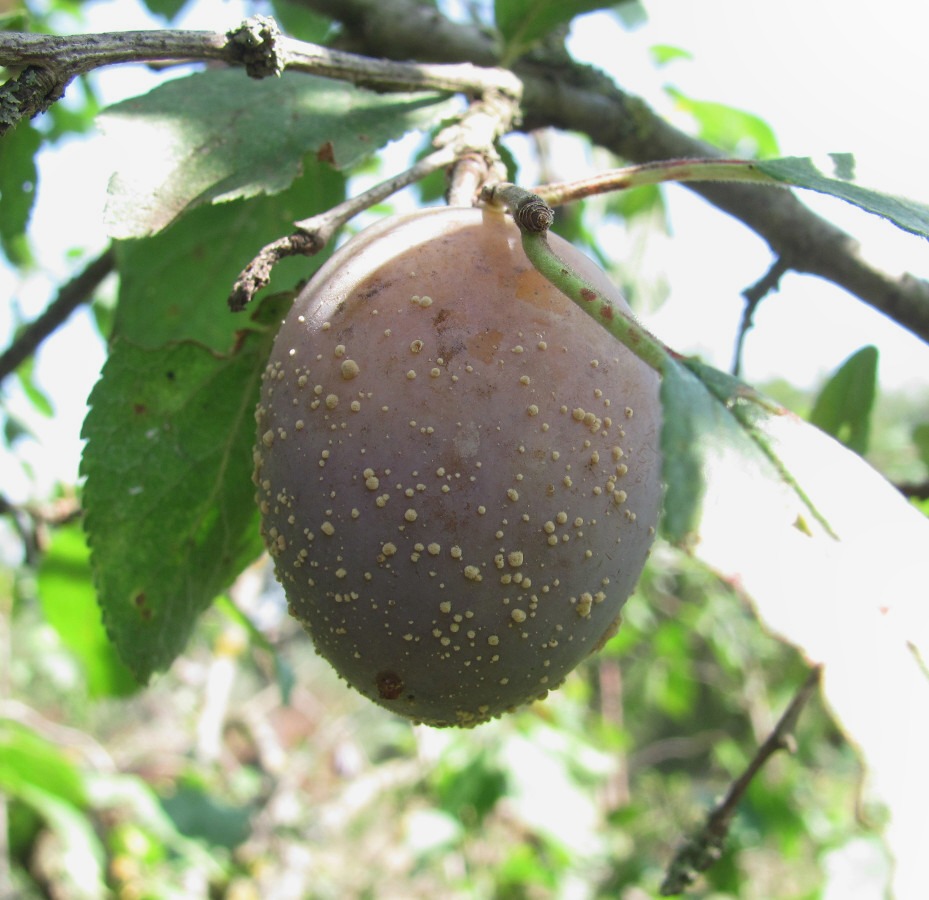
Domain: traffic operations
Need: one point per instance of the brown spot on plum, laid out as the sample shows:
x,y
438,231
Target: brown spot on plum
x,y
389,685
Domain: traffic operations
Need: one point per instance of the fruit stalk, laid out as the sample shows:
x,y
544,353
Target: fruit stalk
x,y
534,217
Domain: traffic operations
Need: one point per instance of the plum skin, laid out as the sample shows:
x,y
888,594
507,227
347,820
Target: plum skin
x,y
458,470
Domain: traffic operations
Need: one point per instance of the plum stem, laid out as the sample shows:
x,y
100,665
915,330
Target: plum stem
x,y
534,216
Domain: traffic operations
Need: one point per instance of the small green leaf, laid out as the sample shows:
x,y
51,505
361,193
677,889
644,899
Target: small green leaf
x,y
69,602
166,8
662,54
735,130
25,373
644,200
909,215
194,155
170,512
843,407
174,286
523,23
18,180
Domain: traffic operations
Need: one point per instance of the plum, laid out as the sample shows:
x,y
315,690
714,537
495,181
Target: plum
x,y
458,470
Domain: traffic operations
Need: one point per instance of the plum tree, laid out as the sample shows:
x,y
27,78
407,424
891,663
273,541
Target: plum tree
x,y
458,470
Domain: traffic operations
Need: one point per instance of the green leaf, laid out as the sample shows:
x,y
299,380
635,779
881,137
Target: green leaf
x,y
708,413
166,8
909,215
689,414
27,759
40,775
69,602
300,22
662,54
18,179
174,286
843,407
735,130
524,23
170,512
198,815
855,604
645,200
25,373
194,155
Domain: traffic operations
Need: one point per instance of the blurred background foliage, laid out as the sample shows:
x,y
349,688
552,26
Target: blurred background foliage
x,y
249,771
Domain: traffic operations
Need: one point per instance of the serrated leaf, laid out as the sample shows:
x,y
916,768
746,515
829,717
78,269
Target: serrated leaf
x,y
856,604
524,23
219,135
170,514
843,407
728,127
838,569
174,286
910,215
69,602
18,180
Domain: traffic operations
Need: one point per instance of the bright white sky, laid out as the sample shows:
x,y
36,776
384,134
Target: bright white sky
x,y
826,75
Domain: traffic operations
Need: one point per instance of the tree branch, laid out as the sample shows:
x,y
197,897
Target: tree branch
x,y
314,233
567,95
700,852
77,291
50,63
466,148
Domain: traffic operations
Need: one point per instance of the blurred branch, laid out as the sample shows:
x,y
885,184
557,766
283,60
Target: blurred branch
x,y
753,295
77,291
700,852
568,95
915,490
49,63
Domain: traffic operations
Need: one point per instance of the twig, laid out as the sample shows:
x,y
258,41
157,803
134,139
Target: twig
x,y
50,63
916,490
655,172
77,291
314,233
753,295
706,847
470,139
575,97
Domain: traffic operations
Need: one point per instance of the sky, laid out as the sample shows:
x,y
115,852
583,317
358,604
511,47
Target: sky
x,y
827,76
